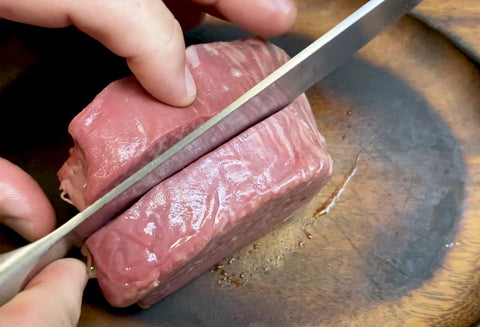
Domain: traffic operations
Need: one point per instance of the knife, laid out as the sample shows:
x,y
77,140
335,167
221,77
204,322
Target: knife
x,y
269,96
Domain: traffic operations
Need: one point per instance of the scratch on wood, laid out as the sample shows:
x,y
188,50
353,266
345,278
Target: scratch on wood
x,y
328,205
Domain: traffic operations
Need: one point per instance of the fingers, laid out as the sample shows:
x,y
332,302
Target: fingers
x,y
143,31
261,17
147,34
23,205
53,298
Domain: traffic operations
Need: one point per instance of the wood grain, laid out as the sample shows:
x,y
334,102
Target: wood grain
x,y
459,20
451,296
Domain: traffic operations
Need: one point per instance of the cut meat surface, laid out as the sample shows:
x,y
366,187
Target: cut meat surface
x,y
214,206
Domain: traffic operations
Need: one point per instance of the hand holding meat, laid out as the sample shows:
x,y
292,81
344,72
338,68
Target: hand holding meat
x,y
148,33
54,296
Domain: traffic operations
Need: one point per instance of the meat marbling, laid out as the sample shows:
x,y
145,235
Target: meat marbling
x,y
217,204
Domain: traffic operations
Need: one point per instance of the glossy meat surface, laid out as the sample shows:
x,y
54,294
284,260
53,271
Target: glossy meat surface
x,y
216,205
219,203
124,127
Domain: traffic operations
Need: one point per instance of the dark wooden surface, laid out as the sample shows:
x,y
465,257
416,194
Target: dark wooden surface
x,y
401,246
459,20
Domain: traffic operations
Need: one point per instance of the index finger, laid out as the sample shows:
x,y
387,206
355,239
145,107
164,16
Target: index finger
x,y
147,34
143,31
261,17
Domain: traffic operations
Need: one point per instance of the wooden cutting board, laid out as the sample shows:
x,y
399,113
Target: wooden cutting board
x,y
401,244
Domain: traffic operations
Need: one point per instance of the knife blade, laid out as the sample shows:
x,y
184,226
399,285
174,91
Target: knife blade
x,y
266,98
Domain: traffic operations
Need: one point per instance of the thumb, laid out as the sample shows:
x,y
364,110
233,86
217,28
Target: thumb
x,y
23,205
53,298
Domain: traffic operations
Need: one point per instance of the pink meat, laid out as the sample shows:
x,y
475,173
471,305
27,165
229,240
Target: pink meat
x,y
124,127
216,205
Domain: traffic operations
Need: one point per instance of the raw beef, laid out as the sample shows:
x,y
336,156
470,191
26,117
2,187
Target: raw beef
x,y
214,206
221,202
124,127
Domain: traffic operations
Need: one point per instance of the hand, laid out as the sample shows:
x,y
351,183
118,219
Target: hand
x,y
54,296
148,33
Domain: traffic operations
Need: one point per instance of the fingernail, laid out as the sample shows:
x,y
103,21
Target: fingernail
x,y
285,6
190,83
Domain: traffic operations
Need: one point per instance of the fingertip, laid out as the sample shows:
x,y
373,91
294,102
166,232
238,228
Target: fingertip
x,y
281,18
167,84
24,207
160,67
190,86
262,17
